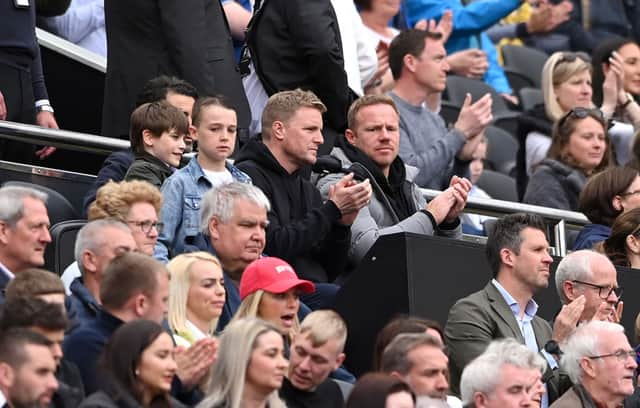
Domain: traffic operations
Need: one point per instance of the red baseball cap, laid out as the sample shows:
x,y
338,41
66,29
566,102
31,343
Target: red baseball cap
x,y
272,275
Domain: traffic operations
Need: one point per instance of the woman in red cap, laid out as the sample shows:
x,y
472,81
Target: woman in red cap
x,y
270,290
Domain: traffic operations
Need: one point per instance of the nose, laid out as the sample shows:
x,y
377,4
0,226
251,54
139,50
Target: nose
x,y
172,366
318,138
304,364
292,301
46,236
56,350
443,382
153,232
445,65
283,363
53,383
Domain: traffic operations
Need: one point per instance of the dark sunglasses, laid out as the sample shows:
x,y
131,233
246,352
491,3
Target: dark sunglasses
x,y
572,56
581,113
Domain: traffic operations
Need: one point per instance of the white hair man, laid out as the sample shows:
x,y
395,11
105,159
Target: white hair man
x,y
600,363
591,275
506,375
24,231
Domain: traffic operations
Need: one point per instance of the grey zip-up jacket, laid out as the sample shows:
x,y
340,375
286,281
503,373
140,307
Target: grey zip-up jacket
x,y
379,218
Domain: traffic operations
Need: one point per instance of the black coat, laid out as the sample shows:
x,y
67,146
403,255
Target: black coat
x,y
146,38
302,229
296,44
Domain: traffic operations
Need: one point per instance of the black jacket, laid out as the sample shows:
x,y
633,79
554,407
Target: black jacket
x,y
533,120
296,44
189,39
555,185
70,388
302,230
149,168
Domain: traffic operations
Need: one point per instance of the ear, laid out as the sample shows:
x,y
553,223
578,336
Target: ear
x,y
507,256
193,134
479,399
588,367
4,233
569,290
605,68
213,228
409,62
278,130
339,361
616,203
140,304
148,138
88,261
350,135
397,375
632,244
6,376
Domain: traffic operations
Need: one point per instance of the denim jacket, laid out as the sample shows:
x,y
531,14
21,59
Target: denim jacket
x,y
180,211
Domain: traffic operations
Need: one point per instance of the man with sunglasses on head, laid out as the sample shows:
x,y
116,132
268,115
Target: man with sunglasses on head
x,y
592,276
600,363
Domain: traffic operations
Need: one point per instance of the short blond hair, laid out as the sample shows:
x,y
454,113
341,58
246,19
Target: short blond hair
x,y
114,200
363,102
179,285
323,325
283,105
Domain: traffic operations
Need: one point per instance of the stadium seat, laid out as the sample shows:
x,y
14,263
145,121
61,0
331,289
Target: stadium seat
x,y
458,87
449,112
530,97
498,185
58,207
60,252
526,61
501,151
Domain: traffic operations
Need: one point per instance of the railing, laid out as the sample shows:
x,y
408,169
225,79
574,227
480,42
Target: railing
x,y
81,142
71,50
558,220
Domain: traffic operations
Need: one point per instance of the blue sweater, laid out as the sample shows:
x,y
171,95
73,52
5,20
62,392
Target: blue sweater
x,y
590,235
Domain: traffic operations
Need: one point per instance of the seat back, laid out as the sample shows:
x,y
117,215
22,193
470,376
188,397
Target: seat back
x,y
525,60
530,97
458,87
60,252
498,185
58,207
501,150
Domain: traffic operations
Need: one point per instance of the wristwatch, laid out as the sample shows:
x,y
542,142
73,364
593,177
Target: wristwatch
x,y
44,108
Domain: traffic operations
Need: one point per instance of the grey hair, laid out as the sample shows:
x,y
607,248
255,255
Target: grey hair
x,y
575,266
585,341
12,202
220,201
90,237
395,355
482,374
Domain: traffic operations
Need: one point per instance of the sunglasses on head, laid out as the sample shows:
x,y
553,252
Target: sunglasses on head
x,y
581,113
572,56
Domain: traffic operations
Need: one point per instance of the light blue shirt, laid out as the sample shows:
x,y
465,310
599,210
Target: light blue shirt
x,y
526,328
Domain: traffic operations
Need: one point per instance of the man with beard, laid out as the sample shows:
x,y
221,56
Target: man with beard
x,y
27,370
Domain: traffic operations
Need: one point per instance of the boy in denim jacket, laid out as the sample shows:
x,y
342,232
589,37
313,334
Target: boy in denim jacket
x,y
215,126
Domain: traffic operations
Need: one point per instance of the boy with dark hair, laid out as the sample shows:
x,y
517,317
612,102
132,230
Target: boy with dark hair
x,y
157,135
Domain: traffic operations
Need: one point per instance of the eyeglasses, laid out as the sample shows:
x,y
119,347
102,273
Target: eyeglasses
x,y
581,113
621,355
603,291
146,226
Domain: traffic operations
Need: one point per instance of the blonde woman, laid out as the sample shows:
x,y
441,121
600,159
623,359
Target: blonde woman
x,y
196,296
250,368
270,290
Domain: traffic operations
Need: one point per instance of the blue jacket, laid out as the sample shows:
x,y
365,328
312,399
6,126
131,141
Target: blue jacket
x,y
182,193
84,346
82,305
590,235
469,24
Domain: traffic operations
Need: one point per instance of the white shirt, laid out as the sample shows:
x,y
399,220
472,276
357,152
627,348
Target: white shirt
x,y
360,59
70,273
218,178
2,399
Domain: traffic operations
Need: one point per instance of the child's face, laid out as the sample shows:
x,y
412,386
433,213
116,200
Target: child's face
x,y
168,147
477,162
185,104
217,133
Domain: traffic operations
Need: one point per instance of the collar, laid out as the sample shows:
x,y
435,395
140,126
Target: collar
x,y
3,400
195,170
108,321
148,157
530,309
4,270
82,293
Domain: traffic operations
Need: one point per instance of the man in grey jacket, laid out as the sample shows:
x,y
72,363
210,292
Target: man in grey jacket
x,y
370,150
417,59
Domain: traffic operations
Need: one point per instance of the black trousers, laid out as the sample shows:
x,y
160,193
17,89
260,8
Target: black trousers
x,y
16,87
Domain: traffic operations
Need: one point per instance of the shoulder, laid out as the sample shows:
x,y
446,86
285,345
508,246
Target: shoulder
x,y
98,399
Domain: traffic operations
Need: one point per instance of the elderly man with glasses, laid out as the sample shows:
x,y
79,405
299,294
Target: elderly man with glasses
x,y
592,276
600,363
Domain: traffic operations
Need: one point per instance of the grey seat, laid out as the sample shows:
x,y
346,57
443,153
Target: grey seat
x,y
58,207
526,61
501,151
498,186
530,97
60,252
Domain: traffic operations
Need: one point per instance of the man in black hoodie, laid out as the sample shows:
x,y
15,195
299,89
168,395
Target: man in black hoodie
x,y
311,235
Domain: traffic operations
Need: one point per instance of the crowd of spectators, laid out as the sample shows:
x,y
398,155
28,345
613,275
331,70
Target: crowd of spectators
x,y
273,143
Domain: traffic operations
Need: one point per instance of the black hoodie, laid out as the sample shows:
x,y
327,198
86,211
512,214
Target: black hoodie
x,y
302,229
